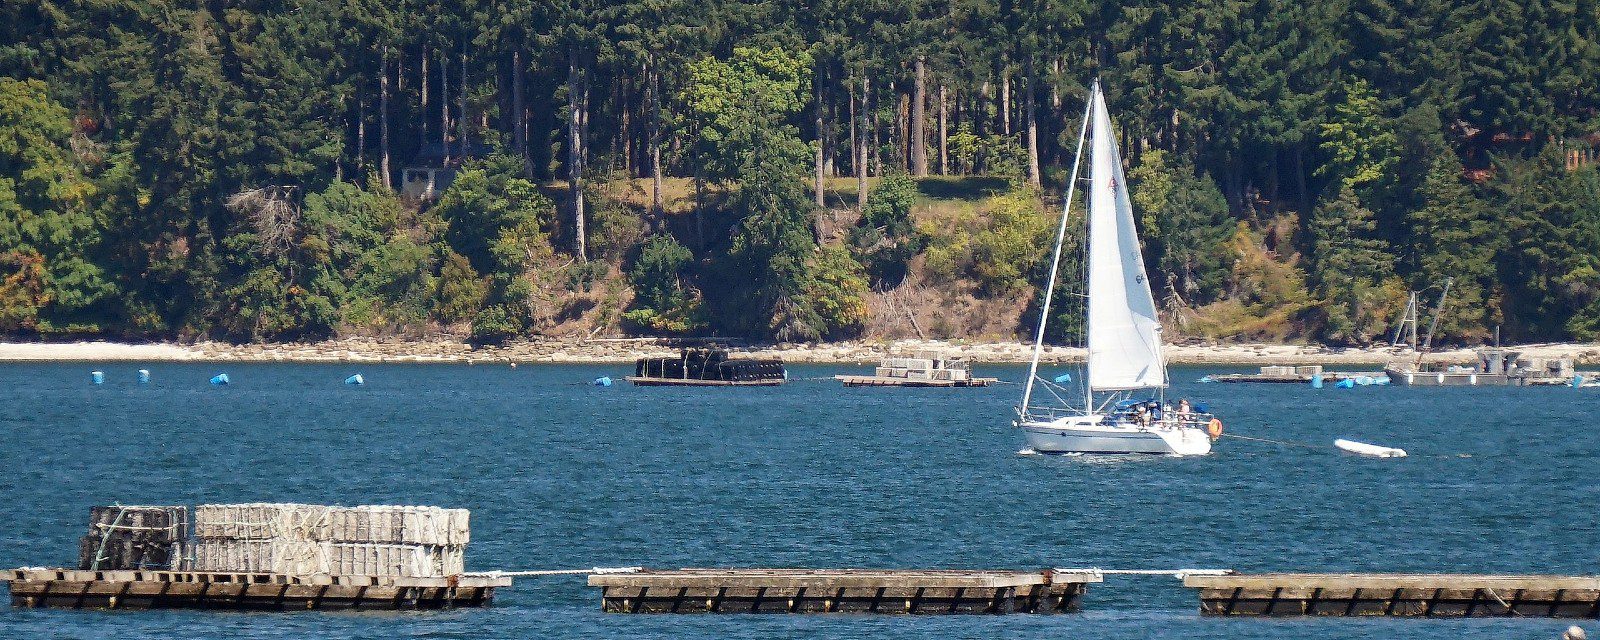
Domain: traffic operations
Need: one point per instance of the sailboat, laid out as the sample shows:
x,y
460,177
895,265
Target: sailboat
x,y
1123,331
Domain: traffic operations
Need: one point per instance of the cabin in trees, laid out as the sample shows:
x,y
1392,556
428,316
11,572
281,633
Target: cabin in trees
x,y
1477,163
434,167
1582,152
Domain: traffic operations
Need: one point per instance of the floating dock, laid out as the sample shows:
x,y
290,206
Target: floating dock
x,y
1419,595
1292,375
894,591
924,370
134,589
885,381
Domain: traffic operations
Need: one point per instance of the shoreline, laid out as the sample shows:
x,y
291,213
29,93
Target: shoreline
x,y
626,350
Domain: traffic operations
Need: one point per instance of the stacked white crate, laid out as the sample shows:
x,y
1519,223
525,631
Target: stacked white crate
x,y
300,539
397,540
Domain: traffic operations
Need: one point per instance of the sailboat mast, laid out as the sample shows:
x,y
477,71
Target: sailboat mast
x,y
1088,264
1055,262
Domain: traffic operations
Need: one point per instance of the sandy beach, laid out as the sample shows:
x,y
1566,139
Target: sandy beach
x,y
628,349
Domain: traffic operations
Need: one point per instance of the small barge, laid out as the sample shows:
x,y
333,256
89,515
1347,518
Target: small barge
x,y
264,556
1495,366
708,367
925,370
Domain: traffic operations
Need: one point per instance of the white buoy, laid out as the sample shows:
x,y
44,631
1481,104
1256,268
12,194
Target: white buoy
x,y
1574,632
144,376
1370,450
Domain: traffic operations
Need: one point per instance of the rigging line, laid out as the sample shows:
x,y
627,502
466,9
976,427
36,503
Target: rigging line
x,y
1286,443
1055,263
557,572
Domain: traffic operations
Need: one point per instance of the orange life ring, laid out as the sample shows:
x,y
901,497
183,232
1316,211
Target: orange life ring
x,y
1214,428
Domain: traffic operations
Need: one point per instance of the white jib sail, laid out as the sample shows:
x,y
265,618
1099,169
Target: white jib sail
x,y
1124,331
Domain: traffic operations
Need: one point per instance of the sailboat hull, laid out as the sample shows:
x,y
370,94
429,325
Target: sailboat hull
x,y
1086,434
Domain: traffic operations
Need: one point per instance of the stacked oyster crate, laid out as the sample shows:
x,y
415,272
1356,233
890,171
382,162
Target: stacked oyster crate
x,y
304,539
133,537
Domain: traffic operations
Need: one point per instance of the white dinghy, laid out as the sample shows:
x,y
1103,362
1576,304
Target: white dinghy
x,y
1371,450
1123,330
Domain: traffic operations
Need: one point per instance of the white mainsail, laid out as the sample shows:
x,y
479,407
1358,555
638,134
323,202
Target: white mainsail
x,y
1124,333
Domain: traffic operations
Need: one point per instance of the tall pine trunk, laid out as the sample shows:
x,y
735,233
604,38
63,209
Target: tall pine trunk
x,y
575,149
519,112
361,131
423,87
383,122
944,133
624,126
444,105
860,137
919,102
657,208
461,113
821,198
874,129
1005,102
1032,124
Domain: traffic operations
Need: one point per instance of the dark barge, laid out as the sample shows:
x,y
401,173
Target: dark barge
x,y
708,367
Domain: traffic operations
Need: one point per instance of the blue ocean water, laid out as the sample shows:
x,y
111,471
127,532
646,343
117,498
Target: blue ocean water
x,y
562,474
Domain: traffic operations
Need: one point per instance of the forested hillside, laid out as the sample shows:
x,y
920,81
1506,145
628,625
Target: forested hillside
x,y
259,169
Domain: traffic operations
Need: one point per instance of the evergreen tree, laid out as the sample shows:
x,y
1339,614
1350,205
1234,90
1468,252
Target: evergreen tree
x,y
1452,236
1352,269
1186,225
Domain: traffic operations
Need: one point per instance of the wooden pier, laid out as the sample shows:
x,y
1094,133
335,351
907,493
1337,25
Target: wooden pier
x,y
886,381
1421,595
82,589
907,591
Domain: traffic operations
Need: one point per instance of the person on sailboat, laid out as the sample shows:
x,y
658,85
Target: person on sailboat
x,y
1183,410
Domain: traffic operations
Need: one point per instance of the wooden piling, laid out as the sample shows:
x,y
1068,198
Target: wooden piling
x,y
1425,595
78,589
841,591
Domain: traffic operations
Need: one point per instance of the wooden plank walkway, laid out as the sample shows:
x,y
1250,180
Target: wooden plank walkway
x,y
842,591
77,589
1425,595
878,381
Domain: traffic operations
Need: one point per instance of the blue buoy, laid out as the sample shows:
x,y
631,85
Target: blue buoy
x,y
1347,383
219,379
1065,377
356,380
602,381
1316,381
144,376
1577,381
99,377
